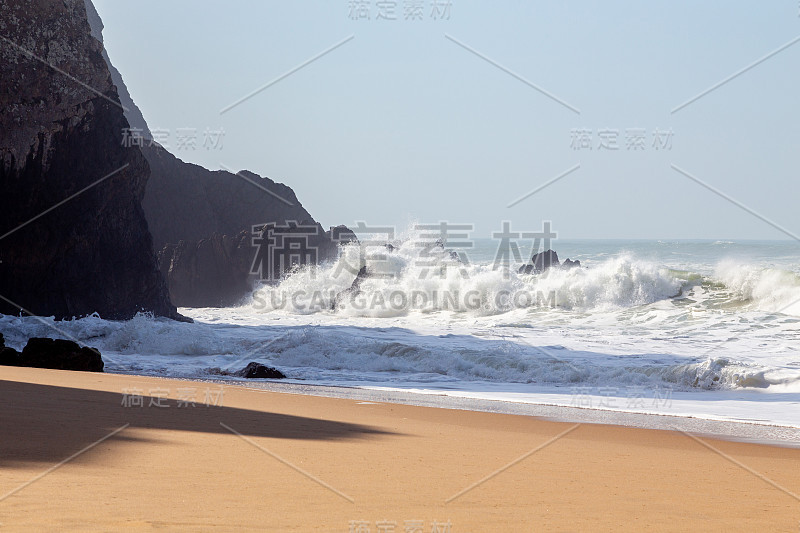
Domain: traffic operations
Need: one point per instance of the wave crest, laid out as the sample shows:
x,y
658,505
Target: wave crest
x,y
765,289
403,282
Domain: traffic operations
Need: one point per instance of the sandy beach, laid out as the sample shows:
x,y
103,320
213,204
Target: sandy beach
x,y
102,452
418,267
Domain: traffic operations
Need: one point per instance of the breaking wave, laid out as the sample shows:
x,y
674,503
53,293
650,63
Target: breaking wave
x,y
147,345
764,289
404,282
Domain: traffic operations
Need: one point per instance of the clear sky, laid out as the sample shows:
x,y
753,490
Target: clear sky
x,y
402,123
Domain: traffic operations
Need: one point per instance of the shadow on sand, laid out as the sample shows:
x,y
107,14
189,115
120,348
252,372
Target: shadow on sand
x,y
47,424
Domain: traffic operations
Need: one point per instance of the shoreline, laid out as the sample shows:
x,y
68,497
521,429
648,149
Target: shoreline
x,y
771,434
83,457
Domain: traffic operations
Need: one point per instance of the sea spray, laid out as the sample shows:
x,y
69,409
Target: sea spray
x,y
764,289
401,284
700,326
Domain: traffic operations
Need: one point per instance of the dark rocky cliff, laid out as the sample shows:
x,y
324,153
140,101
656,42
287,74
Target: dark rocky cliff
x,y
60,133
188,202
211,272
201,220
132,111
202,224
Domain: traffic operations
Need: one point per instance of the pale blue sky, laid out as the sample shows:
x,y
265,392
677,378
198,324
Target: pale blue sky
x,y
402,124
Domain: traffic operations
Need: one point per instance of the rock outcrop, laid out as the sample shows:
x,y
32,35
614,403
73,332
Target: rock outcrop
x,y
341,235
253,370
541,261
353,290
196,216
258,371
6,353
188,202
73,235
203,224
131,110
57,354
212,272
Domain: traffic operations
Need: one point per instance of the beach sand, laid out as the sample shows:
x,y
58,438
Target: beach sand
x,y
259,460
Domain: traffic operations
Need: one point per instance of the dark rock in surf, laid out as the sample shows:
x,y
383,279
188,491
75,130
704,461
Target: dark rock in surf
x,y
258,371
571,264
57,354
8,356
540,262
363,274
354,289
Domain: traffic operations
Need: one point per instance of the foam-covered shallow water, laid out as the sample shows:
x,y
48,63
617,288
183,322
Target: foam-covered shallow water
x,y
691,329
745,430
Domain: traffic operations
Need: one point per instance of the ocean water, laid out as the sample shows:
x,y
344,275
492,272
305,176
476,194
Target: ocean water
x,y
706,329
